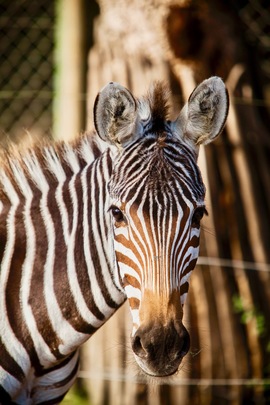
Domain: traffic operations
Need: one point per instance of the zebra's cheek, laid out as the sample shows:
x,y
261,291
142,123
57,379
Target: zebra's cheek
x,y
134,299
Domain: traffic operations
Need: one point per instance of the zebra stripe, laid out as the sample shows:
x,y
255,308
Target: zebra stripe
x,y
28,192
133,184
84,226
68,191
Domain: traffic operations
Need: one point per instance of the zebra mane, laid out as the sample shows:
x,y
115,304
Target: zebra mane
x,y
29,157
155,106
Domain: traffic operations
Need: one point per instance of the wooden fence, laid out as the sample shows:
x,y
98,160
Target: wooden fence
x,y
227,308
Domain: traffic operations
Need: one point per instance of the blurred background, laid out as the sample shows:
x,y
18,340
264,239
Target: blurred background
x,y
55,57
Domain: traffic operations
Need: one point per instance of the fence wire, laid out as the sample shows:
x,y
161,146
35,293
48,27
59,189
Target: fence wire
x,y
26,69
232,263
27,65
123,376
256,17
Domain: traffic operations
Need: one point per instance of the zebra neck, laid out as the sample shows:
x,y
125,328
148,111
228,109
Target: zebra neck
x,y
57,254
92,282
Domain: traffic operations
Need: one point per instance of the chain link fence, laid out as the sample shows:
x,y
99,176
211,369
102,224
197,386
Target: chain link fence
x,y
27,41
256,16
27,67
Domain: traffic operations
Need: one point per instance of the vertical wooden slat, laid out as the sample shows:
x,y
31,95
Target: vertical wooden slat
x,y
69,62
135,55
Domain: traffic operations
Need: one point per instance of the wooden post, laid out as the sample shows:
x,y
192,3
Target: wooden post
x,y
174,41
69,60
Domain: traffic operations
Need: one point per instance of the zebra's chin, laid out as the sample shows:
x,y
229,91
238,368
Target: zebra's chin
x,y
155,371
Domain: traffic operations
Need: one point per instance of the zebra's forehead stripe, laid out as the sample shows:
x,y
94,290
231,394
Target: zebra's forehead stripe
x,y
139,164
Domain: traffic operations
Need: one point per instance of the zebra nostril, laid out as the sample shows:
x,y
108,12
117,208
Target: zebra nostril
x,y
138,348
185,343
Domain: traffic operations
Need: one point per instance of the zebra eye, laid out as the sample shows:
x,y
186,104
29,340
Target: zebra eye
x,y
197,216
117,214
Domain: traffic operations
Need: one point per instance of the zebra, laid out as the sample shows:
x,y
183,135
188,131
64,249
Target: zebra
x,y
84,226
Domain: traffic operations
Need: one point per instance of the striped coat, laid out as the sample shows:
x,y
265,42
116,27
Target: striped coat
x,y
84,226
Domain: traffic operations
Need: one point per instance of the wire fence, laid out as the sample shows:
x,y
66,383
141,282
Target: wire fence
x,y
118,376
27,68
256,17
26,94
235,264
112,375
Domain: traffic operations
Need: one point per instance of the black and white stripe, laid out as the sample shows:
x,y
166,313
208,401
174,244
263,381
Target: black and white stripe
x,y
161,189
57,280
84,226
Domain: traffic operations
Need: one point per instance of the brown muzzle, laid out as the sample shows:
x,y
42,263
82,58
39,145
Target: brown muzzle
x,y
160,349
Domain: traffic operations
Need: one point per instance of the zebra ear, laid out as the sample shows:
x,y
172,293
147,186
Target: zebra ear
x,y
203,117
115,114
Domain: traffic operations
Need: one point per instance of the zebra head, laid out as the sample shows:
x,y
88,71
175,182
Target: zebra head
x,y
156,204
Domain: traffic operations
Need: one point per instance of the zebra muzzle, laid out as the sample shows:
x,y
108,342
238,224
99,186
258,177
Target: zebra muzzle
x,y
160,349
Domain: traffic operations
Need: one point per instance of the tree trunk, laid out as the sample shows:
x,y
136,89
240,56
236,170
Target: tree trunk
x,y
183,42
